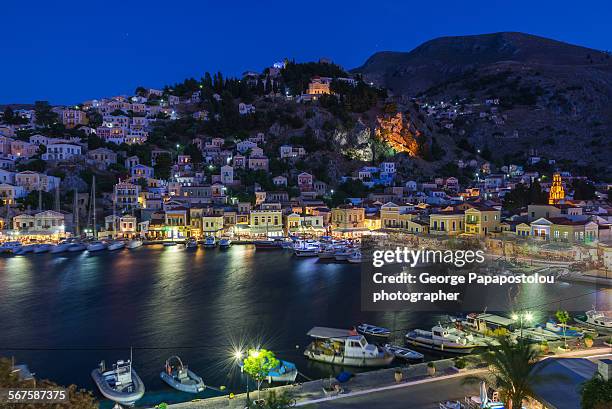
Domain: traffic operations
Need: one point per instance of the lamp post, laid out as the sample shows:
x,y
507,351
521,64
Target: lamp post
x,y
522,318
239,355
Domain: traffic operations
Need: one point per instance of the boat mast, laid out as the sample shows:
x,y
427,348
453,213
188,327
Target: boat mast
x,y
93,202
75,212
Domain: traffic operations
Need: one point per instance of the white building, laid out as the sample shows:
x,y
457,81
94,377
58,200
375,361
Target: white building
x,y
61,151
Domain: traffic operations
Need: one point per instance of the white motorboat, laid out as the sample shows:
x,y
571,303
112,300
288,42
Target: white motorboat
x,y
121,384
404,353
345,347
134,243
306,248
96,245
10,247
373,330
225,243
343,254
191,243
210,241
180,377
28,248
326,253
355,258
42,248
77,246
599,320
60,247
116,245
441,339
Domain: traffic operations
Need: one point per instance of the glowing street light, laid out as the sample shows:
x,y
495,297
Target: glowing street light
x,y
522,318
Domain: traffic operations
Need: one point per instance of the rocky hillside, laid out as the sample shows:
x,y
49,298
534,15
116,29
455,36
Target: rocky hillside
x,y
553,97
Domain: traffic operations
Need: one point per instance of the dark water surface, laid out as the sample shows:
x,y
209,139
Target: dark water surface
x,y
62,314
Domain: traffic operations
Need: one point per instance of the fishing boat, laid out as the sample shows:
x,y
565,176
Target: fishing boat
x,y
42,248
599,320
561,329
120,384
404,353
225,243
210,241
373,330
345,347
77,246
180,377
306,248
285,371
116,245
134,243
441,339
191,243
10,247
96,245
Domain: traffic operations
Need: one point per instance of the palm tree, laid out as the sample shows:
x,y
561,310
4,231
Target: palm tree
x,y
511,370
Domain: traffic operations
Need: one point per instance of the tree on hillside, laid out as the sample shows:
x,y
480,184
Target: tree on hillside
x,y
583,190
44,115
163,166
195,153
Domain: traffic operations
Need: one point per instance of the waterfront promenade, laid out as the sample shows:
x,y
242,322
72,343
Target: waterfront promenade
x,y
447,383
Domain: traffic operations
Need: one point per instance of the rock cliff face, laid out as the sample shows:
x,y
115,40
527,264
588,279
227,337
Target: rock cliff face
x,y
398,133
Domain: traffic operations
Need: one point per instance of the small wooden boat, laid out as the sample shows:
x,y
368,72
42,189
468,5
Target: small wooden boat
x,y
404,353
373,330
121,384
180,377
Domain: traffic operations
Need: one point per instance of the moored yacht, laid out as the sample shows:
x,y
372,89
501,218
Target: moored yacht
x,y
42,248
191,243
306,248
116,245
345,347
77,246
10,247
134,243
60,247
599,320
225,243
96,245
210,241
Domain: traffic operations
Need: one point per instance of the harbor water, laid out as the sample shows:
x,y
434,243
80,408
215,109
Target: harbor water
x,y
64,313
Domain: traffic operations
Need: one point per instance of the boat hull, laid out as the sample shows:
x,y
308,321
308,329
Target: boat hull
x,y
134,244
196,387
359,362
600,328
440,347
125,398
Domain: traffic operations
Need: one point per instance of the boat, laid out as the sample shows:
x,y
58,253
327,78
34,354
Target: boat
x,y
60,247
42,248
561,329
441,339
373,330
285,372
191,243
77,246
355,258
451,404
326,253
10,247
116,245
345,347
343,254
180,377
28,248
225,243
120,384
134,243
268,244
210,241
306,248
404,353
599,320
169,243
96,245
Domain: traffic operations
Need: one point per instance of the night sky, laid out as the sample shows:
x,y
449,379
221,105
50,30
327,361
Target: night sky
x,y
69,51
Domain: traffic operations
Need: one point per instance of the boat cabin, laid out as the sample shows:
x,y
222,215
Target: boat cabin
x,y
482,322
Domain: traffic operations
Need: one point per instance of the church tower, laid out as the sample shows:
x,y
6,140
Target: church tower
x,y
557,193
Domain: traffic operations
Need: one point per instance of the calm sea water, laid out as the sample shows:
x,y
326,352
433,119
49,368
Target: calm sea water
x,y
62,314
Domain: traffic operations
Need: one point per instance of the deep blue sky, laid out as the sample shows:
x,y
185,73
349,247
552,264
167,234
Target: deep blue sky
x,y
68,51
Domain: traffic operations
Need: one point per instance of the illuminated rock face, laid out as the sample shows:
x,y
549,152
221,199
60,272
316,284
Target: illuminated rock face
x,y
398,133
557,193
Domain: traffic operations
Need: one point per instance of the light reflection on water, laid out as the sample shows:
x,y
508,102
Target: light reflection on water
x,y
194,303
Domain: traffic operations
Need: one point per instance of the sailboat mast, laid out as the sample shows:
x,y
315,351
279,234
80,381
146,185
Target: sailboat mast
x,y
75,212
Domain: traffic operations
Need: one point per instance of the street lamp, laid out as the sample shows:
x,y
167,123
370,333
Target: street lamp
x,y
238,356
522,318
